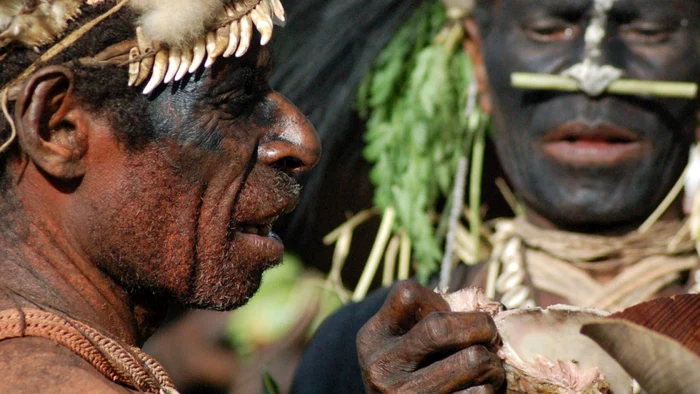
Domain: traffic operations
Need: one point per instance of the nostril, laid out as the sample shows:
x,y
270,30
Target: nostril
x,y
288,164
288,157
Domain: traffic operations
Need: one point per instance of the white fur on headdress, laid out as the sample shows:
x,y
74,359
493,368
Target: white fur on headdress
x,y
34,23
176,37
177,22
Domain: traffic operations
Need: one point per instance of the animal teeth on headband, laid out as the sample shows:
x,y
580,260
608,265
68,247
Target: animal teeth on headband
x,y
185,62
234,34
174,60
199,52
160,66
233,38
246,35
261,16
278,11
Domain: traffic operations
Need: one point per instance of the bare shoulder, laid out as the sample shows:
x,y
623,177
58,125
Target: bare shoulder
x,y
35,365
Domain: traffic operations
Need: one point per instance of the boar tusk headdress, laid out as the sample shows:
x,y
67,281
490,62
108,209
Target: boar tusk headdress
x,y
173,37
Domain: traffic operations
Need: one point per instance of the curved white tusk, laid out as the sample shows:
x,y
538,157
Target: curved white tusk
x,y
234,32
211,47
199,52
278,10
173,64
246,35
185,63
222,37
260,15
160,65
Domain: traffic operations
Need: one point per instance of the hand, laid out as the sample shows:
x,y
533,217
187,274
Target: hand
x,y
414,344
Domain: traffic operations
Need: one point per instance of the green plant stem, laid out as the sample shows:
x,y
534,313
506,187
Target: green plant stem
x,y
351,224
633,87
390,257
340,255
404,255
375,255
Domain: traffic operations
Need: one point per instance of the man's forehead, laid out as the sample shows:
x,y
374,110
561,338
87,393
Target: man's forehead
x,y
231,74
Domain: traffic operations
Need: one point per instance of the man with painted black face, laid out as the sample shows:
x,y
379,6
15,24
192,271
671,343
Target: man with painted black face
x,y
141,164
588,166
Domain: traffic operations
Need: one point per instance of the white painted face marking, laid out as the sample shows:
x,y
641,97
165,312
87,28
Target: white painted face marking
x,y
592,77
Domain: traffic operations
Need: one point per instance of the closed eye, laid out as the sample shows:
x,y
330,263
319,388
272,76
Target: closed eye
x,y
646,33
551,31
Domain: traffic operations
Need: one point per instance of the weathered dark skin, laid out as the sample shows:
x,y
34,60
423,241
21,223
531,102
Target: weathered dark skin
x,y
416,345
109,236
648,40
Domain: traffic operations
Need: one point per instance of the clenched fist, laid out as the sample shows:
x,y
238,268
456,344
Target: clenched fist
x,y
414,344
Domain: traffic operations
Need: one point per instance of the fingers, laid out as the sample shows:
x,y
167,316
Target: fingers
x,y
443,333
473,366
407,304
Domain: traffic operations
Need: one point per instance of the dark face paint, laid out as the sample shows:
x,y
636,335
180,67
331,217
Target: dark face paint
x,y
647,39
188,216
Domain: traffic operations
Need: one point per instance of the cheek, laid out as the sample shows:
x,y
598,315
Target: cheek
x,y
144,233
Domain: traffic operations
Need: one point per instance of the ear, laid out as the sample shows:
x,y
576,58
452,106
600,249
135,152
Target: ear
x,y
49,126
472,45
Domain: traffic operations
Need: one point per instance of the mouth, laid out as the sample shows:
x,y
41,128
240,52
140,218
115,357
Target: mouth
x,y
580,144
261,228
257,236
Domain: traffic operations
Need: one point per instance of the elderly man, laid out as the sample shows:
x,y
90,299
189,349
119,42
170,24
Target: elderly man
x,y
588,166
144,160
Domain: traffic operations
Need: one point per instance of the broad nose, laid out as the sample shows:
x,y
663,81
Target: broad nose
x,y
292,145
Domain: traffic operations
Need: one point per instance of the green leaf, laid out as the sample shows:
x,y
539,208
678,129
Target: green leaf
x,y
415,102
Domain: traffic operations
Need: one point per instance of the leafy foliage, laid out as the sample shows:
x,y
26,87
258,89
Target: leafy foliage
x,y
415,104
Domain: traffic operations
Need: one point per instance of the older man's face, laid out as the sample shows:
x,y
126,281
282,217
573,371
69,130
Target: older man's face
x,y
189,215
585,162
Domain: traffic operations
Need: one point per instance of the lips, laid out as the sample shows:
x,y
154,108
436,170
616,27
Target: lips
x,y
581,144
262,228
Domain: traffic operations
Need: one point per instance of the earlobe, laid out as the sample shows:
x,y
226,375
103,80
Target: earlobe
x,y
46,126
472,45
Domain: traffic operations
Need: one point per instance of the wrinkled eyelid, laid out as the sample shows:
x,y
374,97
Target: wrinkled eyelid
x,y
554,33
648,33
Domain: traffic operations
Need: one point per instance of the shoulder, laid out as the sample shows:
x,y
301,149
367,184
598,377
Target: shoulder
x,y
330,361
36,365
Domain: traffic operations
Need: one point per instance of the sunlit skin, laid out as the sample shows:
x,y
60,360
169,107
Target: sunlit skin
x,y
588,164
109,235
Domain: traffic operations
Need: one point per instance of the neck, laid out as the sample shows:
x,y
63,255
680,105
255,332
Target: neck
x,y
47,273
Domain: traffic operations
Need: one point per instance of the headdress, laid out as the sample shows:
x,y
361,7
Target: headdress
x,y
172,37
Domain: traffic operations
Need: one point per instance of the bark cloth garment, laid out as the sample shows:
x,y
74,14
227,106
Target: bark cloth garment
x,y
120,363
